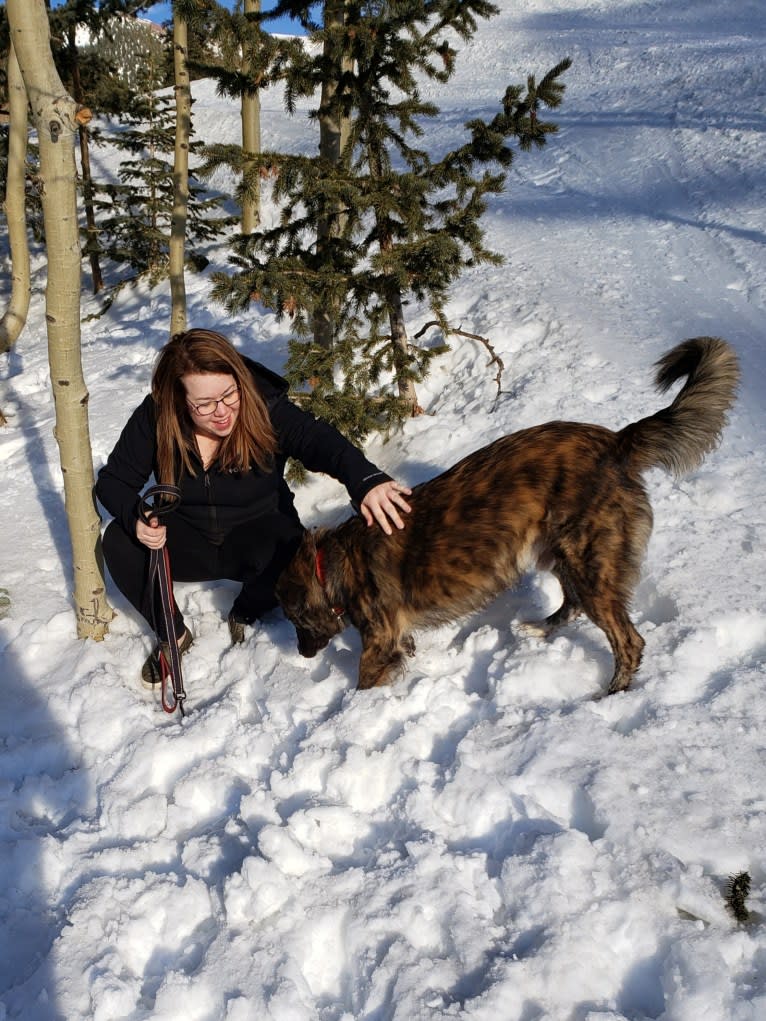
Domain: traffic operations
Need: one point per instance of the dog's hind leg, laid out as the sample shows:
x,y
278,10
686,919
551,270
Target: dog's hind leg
x,y
544,628
568,611
602,594
627,646
610,615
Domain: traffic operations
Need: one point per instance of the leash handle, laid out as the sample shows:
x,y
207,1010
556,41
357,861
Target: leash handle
x,y
158,500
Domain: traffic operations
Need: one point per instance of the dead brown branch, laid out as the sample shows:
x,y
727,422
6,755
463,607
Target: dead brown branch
x,y
494,358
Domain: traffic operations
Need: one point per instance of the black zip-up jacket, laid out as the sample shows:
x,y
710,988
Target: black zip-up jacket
x,y
215,502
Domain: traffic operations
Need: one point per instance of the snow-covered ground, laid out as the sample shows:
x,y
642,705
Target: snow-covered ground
x,y
485,840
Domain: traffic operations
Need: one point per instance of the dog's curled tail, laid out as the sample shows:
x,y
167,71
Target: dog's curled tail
x,y
678,437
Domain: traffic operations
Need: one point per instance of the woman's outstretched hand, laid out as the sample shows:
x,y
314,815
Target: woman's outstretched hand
x,y
383,503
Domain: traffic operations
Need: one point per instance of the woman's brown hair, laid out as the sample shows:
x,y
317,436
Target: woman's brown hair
x,y
252,440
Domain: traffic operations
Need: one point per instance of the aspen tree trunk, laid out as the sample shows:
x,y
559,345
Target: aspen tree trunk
x,y
180,176
334,130
15,315
56,118
334,127
251,138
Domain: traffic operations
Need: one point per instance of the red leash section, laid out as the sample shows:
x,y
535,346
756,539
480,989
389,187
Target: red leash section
x,y
170,667
155,502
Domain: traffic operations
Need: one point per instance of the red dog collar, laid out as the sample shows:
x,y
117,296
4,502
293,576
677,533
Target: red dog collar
x,y
322,579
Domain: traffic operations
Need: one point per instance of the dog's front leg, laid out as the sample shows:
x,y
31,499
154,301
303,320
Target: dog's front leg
x,y
381,659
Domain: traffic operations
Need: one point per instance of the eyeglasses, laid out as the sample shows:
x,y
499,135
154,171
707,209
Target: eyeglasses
x,y
208,408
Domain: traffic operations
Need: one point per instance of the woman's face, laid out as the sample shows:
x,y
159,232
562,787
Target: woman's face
x,y
212,400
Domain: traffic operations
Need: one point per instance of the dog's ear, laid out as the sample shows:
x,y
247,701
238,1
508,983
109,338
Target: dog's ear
x,y
307,552
291,595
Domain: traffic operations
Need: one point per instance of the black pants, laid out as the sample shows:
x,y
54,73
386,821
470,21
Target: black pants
x,y
255,554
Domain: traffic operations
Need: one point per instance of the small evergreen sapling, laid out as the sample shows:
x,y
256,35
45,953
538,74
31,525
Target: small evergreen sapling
x,y
136,210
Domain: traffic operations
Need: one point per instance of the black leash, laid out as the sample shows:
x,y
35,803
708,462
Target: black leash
x,y
155,502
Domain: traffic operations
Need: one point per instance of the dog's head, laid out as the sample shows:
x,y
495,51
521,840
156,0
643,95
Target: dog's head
x,y
305,602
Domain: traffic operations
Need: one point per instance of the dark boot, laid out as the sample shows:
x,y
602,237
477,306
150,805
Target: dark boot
x,y
151,673
236,628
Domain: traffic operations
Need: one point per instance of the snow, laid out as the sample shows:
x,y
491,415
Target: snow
x,y
486,839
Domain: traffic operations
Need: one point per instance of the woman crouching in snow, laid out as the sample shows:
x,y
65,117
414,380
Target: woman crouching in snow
x,y
220,428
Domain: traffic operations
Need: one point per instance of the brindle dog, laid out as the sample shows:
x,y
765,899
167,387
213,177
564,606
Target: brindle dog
x,y
563,496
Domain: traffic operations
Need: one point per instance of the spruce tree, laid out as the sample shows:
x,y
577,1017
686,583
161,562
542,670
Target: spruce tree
x,y
406,222
125,45
65,22
136,211
97,46
78,30
245,60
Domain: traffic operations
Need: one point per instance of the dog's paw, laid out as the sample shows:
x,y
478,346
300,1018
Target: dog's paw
x,y
615,689
535,628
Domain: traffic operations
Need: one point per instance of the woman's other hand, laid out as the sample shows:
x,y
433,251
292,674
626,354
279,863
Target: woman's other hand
x,y
383,503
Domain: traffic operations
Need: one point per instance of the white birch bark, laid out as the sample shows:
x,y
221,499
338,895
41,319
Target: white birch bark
x,y
15,316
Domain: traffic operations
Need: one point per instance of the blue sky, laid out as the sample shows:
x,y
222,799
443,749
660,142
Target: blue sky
x,y
161,12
